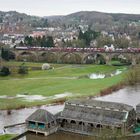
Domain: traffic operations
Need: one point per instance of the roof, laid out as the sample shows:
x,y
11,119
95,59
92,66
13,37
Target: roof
x,y
102,104
42,116
94,111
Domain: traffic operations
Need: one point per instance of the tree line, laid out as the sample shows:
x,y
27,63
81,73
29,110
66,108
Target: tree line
x,y
88,36
84,39
45,41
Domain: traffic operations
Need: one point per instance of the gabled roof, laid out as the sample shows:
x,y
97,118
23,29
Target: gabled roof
x,y
42,116
94,111
102,104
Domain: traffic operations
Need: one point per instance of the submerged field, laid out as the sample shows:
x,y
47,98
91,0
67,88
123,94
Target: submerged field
x,y
64,81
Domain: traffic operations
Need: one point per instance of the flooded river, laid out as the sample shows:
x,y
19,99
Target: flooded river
x,y
57,136
19,116
128,95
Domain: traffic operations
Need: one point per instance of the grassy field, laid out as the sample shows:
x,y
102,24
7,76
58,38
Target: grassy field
x,y
62,79
6,137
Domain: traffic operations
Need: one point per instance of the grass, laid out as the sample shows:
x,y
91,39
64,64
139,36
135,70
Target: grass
x,y
6,137
29,64
56,81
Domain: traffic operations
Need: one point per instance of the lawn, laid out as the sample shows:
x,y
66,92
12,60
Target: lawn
x,y
62,79
6,137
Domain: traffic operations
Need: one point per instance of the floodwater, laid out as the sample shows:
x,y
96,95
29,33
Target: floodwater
x,y
128,95
19,116
32,98
56,136
101,76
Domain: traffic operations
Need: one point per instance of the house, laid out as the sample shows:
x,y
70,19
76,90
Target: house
x,y
89,117
42,121
93,117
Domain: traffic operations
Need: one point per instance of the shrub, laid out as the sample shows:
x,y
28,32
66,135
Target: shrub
x,y
4,71
133,75
23,69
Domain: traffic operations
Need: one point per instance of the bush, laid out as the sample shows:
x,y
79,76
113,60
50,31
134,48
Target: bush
x,y
23,69
4,71
133,76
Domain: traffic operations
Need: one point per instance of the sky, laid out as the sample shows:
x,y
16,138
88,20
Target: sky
x,y
64,7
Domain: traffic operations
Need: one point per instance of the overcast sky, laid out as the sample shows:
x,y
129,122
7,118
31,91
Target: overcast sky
x,y
63,7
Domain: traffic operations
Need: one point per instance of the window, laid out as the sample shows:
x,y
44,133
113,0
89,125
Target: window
x,y
73,122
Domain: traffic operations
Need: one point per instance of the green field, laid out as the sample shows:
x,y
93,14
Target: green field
x,y
6,137
62,79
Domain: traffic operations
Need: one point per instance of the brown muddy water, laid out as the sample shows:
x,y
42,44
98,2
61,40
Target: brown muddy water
x,y
128,95
19,116
56,136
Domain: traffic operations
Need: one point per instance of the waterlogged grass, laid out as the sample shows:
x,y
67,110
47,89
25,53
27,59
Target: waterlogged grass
x,y
56,81
6,137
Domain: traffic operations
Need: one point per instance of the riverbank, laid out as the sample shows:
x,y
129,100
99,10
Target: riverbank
x,y
55,85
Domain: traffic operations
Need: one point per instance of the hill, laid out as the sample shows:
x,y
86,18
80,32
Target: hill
x,y
94,18
19,22
98,20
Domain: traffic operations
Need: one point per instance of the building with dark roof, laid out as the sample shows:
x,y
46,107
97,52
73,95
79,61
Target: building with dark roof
x,y
42,121
92,116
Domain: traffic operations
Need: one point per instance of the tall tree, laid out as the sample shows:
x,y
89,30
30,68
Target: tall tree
x,y
88,35
5,54
50,42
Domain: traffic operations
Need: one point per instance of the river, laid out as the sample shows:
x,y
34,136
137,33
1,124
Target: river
x,y
19,116
128,95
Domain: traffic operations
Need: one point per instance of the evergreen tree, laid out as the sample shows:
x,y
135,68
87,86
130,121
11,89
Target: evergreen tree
x,y
38,41
26,40
81,35
5,54
50,42
88,35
